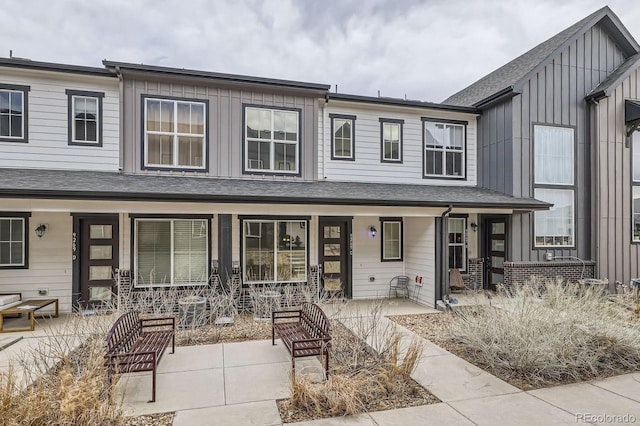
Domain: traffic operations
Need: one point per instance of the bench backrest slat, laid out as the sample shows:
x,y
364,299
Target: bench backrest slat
x,y
314,321
124,333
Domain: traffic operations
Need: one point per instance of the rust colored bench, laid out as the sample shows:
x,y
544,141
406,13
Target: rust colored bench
x,y
134,344
304,332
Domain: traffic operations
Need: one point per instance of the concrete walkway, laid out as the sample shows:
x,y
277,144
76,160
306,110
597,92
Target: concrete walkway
x,y
239,383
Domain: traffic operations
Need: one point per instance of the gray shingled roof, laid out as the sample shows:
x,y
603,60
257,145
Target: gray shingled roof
x,y
506,77
60,184
615,78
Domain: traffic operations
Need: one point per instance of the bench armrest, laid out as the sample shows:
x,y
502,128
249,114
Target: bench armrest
x,y
158,322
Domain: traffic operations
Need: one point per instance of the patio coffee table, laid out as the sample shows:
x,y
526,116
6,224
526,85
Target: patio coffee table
x,y
27,307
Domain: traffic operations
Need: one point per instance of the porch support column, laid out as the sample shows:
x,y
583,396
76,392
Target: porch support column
x,y
224,247
442,255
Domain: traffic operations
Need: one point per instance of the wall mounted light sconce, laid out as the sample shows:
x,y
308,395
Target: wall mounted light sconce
x,y
373,231
40,230
474,226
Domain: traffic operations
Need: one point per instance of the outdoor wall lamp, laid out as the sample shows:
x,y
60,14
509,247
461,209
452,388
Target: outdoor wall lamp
x,y
373,231
40,230
474,226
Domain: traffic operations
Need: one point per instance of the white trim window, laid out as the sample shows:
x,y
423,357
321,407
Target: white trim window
x,y
175,133
635,188
274,251
391,239
444,154
12,242
554,179
342,143
85,119
391,140
12,115
171,252
272,140
457,243
636,214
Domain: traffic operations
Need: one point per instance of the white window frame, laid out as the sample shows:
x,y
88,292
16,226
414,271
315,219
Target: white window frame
x,y
73,95
272,142
383,239
446,149
343,118
275,223
635,184
175,134
24,242
172,236
463,243
538,195
22,91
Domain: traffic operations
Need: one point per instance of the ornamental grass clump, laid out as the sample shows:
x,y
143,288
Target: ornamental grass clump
x,y
550,332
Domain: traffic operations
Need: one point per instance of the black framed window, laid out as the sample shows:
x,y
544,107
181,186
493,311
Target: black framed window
x,y
391,140
175,133
391,239
13,113
14,240
457,228
635,187
445,144
85,117
342,137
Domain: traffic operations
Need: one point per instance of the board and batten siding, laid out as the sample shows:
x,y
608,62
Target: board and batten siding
x,y
617,257
226,131
554,95
420,255
367,166
48,123
50,263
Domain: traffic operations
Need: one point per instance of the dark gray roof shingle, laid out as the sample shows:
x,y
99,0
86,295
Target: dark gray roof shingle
x,y
509,75
60,184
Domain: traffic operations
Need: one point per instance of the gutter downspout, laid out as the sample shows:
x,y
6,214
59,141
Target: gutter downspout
x,y
596,214
121,119
444,256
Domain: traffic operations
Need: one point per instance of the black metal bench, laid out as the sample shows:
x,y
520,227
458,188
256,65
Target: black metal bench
x,y
304,332
134,344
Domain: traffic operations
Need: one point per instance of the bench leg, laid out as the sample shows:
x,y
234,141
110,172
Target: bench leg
x,y
326,364
293,365
153,385
273,337
173,343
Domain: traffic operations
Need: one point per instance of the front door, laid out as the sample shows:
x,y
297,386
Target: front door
x,y
334,254
496,251
98,255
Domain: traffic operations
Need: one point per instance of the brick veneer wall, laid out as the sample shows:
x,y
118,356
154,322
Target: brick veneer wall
x,y
475,273
518,273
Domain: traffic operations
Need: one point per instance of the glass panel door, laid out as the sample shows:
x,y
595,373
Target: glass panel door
x,y
334,256
98,255
496,251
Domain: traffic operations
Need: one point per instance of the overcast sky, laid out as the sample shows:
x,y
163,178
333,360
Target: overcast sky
x,y
424,49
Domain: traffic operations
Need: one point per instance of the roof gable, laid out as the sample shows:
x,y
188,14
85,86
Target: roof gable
x,y
507,78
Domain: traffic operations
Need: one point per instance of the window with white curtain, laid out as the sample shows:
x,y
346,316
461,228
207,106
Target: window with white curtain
x,y
174,133
553,155
554,160
171,252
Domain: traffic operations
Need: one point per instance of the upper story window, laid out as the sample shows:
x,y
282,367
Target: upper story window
x,y
554,183
635,188
391,140
85,117
13,113
272,140
342,137
175,134
391,238
14,240
444,149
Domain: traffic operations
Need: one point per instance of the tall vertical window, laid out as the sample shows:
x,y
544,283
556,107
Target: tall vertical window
x,y
13,241
635,188
342,137
554,183
274,251
85,117
391,238
272,140
171,252
175,133
444,149
391,140
13,113
457,243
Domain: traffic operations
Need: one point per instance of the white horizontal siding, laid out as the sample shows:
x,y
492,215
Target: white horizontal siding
x,y
50,264
420,254
367,166
48,126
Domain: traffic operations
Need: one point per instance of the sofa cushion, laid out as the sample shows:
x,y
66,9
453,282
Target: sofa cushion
x,y
8,299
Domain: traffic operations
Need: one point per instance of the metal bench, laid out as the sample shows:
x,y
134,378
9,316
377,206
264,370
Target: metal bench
x,y
304,332
134,344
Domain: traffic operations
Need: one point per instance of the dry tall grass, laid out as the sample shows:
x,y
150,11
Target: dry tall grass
x,y
550,332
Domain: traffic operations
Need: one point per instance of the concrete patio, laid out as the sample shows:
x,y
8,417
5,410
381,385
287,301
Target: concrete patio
x,y
239,383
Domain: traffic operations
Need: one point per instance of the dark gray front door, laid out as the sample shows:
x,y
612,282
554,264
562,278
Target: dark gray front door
x,y
334,255
496,251
98,260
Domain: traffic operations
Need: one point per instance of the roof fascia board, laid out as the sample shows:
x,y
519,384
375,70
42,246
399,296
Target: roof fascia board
x,y
611,87
54,67
401,103
613,24
499,97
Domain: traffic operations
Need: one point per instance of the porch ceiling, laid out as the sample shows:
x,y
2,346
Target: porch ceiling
x,y
89,185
